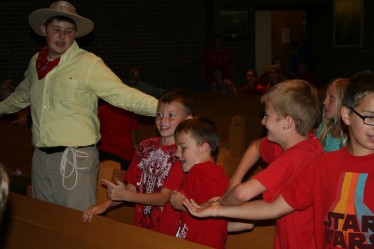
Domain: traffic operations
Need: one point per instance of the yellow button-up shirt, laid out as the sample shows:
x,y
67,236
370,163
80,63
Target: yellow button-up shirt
x,y
64,103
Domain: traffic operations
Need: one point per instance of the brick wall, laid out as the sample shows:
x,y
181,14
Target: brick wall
x,y
167,37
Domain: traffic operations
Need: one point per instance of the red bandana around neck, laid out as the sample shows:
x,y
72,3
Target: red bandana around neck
x,y
43,65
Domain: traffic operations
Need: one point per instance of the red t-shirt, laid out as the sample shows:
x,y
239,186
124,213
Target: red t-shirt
x,y
149,170
258,89
116,126
295,230
203,182
169,220
213,59
340,187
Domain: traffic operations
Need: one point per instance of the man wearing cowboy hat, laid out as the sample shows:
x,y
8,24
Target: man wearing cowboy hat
x,y
62,86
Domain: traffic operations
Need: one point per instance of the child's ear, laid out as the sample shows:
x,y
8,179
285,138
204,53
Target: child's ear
x,y
288,122
205,147
344,113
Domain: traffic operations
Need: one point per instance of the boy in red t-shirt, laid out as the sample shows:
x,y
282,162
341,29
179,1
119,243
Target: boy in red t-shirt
x,y
153,173
197,145
288,148
338,185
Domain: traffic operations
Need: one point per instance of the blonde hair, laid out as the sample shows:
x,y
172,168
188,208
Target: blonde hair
x,y
297,99
4,189
335,126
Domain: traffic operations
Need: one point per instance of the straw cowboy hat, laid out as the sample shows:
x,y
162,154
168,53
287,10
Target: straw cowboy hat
x,y
60,8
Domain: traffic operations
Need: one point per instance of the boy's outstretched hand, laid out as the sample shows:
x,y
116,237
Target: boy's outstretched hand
x,y
208,209
95,210
116,191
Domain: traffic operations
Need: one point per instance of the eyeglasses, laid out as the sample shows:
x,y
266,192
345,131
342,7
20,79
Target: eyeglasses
x,y
368,120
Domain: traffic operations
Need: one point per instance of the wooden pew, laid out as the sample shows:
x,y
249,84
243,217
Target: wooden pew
x,y
31,223
261,237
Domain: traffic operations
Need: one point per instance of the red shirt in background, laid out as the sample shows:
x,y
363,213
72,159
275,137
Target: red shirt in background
x,y
116,127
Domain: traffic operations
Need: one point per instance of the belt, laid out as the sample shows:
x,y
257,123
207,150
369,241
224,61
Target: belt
x,y
51,150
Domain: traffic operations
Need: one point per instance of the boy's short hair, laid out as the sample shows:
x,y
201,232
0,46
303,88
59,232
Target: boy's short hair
x,y
202,130
178,96
359,86
297,99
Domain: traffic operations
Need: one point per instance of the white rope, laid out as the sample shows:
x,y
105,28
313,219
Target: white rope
x,y
74,168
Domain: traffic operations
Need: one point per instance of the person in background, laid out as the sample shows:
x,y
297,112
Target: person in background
x,y
134,79
6,88
222,85
332,131
304,72
282,71
214,57
300,51
62,85
21,118
118,134
252,86
154,172
272,76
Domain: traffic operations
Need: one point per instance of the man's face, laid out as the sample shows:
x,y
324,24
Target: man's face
x,y
59,35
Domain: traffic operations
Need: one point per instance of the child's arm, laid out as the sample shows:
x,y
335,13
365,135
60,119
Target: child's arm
x,y
249,159
102,207
235,226
97,209
253,210
242,193
118,192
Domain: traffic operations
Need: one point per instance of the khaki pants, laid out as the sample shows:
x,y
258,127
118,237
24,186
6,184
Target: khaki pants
x,y
73,187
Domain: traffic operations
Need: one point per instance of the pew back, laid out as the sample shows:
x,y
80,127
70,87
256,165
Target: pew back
x,y
37,224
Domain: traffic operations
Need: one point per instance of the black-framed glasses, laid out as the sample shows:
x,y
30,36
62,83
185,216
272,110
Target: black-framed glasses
x,y
368,120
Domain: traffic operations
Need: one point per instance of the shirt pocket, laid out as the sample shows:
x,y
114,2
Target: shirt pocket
x,y
64,89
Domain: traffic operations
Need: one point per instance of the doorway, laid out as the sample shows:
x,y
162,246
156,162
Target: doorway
x,y
275,32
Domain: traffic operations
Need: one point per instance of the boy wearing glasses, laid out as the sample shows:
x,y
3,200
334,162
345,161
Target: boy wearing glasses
x,y
338,185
